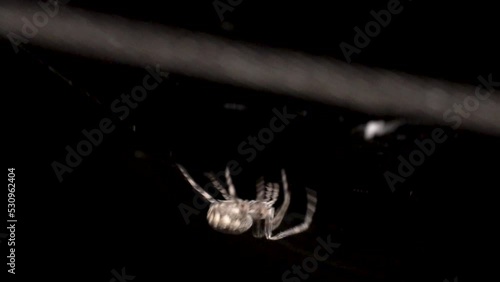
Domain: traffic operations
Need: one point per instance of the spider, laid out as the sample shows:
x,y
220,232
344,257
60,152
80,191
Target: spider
x,y
235,216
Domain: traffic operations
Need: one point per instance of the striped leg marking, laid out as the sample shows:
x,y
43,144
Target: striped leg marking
x,y
218,185
230,184
195,186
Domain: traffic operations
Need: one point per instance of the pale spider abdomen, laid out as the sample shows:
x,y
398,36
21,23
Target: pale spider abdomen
x,y
229,217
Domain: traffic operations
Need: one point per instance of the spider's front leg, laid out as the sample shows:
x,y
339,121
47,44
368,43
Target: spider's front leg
x,y
260,189
311,208
268,223
218,185
280,213
195,185
232,190
266,195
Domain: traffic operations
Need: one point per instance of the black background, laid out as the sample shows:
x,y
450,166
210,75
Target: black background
x,y
120,206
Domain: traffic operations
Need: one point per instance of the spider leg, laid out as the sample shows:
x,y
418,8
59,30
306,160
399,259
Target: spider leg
x,y
218,185
311,208
258,226
230,184
195,186
268,193
268,224
276,192
272,193
280,213
260,189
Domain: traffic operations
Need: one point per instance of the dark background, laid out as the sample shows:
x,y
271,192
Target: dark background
x,y
120,206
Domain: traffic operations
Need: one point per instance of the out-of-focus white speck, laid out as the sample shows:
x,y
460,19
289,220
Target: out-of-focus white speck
x,y
379,128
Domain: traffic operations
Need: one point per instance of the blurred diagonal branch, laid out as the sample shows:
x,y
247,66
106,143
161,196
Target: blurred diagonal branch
x,y
208,57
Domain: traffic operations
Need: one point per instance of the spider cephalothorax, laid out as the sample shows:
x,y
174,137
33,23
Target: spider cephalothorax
x,y
235,216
